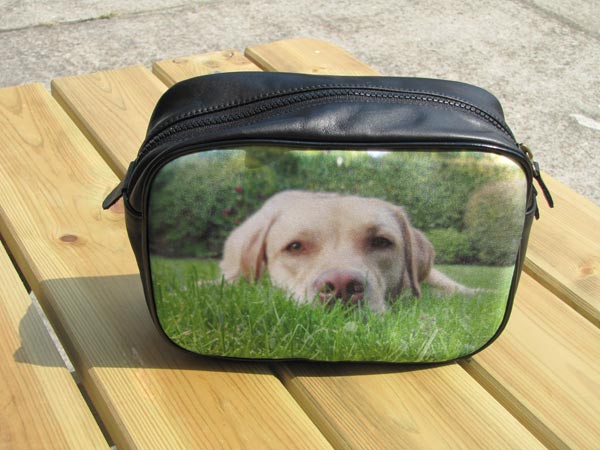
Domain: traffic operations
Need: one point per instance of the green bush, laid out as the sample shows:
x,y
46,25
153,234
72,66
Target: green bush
x,y
451,246
197,200
494,222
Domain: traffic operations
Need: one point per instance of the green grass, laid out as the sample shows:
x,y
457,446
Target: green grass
x,y
260,321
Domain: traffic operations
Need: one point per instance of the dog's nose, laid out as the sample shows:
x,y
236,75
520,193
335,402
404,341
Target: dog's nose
x,y
344,285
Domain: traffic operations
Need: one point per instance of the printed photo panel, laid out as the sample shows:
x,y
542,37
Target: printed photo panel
x,y
335,255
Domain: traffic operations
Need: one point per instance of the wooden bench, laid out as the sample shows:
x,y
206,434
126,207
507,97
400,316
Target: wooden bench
x,y
42,406
537,386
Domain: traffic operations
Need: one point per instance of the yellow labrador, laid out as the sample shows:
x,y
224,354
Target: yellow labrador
x,y
334,247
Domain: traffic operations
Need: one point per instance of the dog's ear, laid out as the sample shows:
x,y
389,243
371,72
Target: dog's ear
x,y
244,254
418,252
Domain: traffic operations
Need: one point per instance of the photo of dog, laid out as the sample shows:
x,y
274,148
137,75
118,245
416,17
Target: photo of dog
x,y
330,247
334,255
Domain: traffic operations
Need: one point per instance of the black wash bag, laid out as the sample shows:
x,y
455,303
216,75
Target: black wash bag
x,y
329,218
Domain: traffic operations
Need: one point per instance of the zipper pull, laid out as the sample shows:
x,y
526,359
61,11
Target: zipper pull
x,y
114,196
119,190
537,175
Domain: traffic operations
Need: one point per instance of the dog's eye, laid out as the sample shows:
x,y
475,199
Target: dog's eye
x,y
380,242
294,247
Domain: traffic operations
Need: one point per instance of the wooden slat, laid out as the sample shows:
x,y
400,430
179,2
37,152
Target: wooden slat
x,y
390,408
42,406
563,254
307,56
127,108
78,260
564,249
545,368
172,70
383,407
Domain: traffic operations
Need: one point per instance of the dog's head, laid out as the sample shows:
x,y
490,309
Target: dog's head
x,y
330,247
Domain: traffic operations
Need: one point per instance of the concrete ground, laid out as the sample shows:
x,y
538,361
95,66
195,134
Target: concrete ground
x,y
540,57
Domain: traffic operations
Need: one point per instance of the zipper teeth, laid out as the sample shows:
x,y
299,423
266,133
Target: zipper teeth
x,y
187,122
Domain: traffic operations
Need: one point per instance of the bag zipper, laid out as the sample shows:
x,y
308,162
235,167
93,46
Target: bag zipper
x,y
221,116
195,119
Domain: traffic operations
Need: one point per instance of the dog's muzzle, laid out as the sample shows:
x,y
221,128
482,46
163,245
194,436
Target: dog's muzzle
x,y
347,286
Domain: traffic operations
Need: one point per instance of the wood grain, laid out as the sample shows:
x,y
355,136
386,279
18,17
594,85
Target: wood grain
x,y
545,368
173,70
77,258
120,114
564,249
42,406
389,408
311,56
